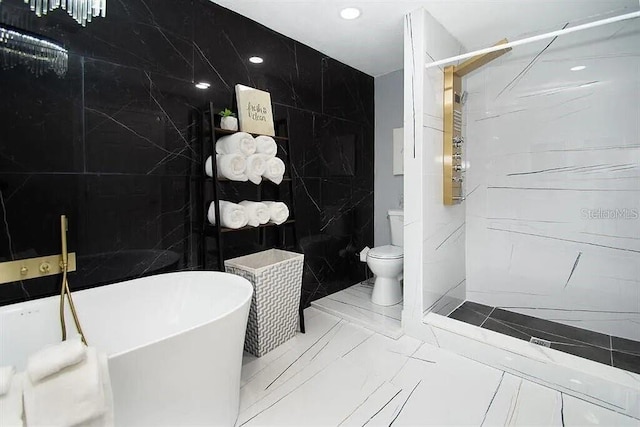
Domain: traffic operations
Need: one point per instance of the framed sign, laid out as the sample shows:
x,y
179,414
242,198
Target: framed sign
x,y
254,111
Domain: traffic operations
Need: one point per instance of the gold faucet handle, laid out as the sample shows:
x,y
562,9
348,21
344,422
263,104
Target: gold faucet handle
x,y
45,267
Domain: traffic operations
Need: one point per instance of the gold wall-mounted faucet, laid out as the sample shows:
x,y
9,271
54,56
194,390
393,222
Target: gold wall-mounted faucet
x,y
31,268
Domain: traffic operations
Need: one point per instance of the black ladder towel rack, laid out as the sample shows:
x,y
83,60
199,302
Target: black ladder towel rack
x,y
208,132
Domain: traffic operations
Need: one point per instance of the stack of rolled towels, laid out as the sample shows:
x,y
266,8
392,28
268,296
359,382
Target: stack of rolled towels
x,y
241,157
66,384
254,214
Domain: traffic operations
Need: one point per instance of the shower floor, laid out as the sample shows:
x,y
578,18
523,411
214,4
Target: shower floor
x,y
617,352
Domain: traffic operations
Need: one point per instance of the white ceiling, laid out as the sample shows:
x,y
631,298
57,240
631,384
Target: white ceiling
x,y
373,43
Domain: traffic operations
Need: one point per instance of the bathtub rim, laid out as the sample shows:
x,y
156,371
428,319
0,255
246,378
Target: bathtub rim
x,y
245,283
233,309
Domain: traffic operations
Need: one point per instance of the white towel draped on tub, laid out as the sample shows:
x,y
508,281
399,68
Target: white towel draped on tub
x,y
275,170
230,166
256,165
6,374
55,358
278,212
266,145
79,394
233,215
257,213
11,400
237,143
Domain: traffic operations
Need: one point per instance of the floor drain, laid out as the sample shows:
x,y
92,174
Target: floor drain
x,y
540,341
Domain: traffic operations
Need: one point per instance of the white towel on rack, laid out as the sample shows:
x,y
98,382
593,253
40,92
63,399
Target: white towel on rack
x,y
11,403
237,143
278,212
256,166
230,166
6,374
275,170
257,213
55,358
73,396
232,214
266,145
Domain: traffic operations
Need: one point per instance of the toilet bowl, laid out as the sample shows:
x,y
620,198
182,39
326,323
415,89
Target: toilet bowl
x,y
386,263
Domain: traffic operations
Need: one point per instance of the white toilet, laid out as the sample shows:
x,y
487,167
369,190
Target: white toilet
x,y
386,262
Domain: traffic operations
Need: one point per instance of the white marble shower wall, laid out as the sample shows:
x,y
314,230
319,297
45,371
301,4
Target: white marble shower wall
x,y
553,207
434,271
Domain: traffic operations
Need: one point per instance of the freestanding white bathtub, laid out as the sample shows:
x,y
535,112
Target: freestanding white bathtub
x,y
174,343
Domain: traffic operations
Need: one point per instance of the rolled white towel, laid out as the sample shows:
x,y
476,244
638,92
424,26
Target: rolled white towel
x,y
55,358
11,403
256,165
257,213
230,166
6,374
275,170
237,143
266,145
278,212
70,397
233,215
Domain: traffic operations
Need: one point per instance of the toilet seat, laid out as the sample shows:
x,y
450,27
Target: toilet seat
x,y
386,252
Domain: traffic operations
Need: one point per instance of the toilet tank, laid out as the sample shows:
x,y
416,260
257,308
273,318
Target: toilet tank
x,y
396,221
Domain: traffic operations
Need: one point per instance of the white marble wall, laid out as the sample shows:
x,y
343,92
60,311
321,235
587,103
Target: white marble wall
x,y
434,234
549,147
388,192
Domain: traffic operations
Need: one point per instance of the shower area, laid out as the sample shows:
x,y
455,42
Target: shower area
x,y
553,193
544,245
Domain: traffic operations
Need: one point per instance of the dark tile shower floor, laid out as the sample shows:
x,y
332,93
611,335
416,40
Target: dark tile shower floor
x,y
619,352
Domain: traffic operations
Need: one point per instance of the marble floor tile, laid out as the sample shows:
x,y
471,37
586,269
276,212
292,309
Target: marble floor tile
x,y
341,374
384,356
600,384
296,367
561,343
354,304
624,345
435,381
553,328
627,361
319,401
472,313
608,350
577,412
520,402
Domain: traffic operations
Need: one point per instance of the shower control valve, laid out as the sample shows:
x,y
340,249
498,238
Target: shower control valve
x,y
45,267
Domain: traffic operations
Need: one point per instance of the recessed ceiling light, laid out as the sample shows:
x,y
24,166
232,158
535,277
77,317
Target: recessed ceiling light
x,y
350,13
256,60
203,85
578,68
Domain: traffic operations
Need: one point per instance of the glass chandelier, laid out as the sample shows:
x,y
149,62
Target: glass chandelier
x,y
80,10
37,54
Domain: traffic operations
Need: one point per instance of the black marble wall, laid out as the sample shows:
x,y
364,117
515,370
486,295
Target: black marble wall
x,y
111,144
